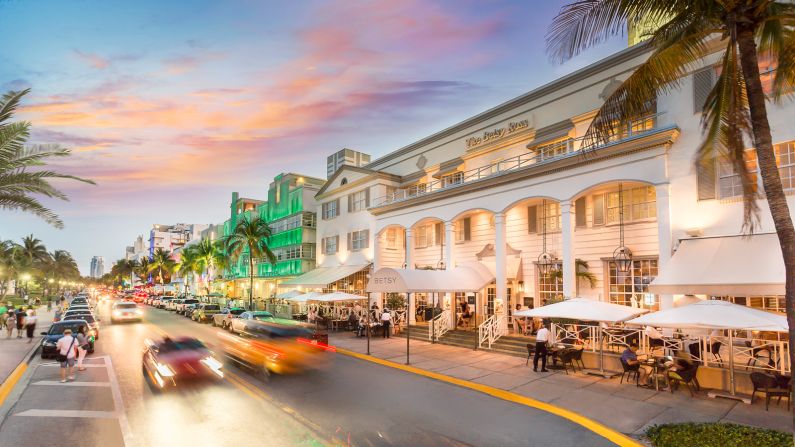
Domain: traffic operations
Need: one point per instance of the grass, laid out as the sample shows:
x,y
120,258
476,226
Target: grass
x,y
716,435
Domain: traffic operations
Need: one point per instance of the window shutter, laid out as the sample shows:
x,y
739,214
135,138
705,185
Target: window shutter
x,y
706,178
323,246
350,202
337,207
323,210
350,241
579,212
532,219
703,82
438,234
367,198
366,238
599,209
467,229
336,244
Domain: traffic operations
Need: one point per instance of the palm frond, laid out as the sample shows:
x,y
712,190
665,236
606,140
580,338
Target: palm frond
x,y
17,202
9,104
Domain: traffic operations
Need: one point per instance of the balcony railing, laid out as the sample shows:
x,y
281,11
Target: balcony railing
x,y
540,155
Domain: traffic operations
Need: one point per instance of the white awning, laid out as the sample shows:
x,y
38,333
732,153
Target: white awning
x,y
469,277
290,294
512,267
302,298
323,276
338,296
583,309
715,314
724,266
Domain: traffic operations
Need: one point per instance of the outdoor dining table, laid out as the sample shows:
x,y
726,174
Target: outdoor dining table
x,y
658,369
554,353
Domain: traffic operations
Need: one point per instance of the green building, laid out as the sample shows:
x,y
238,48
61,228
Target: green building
x,y
290,211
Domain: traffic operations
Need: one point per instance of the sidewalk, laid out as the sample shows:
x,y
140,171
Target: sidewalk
x,y
14,350
623,407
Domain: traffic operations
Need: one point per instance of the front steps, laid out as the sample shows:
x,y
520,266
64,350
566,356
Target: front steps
x,y
507,344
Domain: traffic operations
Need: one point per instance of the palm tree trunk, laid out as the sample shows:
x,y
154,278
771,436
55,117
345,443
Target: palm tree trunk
x,y
768,168
251,280
160,272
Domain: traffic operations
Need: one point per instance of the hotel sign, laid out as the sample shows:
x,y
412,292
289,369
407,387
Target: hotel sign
x,y
497,134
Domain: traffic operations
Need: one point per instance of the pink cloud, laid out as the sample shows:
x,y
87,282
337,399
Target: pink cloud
x,y
92,60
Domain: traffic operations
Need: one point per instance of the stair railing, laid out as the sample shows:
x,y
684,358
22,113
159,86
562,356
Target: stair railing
x,y
491,330
439,325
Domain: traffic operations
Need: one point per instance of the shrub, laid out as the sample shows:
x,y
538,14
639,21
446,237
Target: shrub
x,y
716,435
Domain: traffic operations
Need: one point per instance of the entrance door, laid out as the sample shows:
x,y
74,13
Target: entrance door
x,y
491,296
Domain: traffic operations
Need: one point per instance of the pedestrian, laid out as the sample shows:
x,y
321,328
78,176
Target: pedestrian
x,y
66,355
49,304
82,347
11,322
386,321
542,338
30,324
20,314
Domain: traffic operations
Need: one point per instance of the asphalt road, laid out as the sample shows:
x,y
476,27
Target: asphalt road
x,y
353,402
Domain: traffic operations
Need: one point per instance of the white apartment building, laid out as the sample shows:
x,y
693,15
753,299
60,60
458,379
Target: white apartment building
x,y
138,250
345,157
513,188
171,237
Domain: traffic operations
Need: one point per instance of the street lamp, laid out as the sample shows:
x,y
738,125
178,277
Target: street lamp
x,y
622,255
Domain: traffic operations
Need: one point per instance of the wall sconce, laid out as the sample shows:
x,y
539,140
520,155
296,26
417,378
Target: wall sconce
x,y
520,287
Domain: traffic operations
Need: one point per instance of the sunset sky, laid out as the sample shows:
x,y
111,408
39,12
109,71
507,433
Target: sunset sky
x,y
172,105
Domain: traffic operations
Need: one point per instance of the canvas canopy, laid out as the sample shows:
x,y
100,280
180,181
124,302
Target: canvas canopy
x,y
304,297
583,309
468,277
715,314
338,296
323,276
290,294
724,266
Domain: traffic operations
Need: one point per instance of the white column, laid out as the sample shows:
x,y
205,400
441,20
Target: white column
x,y
377,297
499,249
664,236
449,245
567,254
410,265
409,243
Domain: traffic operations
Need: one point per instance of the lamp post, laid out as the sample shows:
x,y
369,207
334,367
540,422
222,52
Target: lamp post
x,y
622,255
546,261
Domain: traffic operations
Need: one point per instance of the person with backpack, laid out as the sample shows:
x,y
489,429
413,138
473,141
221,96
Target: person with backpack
x,y
66,355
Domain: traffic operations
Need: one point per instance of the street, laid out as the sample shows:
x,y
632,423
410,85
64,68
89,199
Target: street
x,y
353,402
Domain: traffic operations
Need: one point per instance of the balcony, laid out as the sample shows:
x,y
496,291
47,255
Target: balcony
x,y
538,156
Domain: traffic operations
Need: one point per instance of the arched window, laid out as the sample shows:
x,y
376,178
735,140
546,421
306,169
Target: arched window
x,y
344,181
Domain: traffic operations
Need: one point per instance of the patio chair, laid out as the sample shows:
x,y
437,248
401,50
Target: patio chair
x,y
755,354
764,383
578,358
567,358
685,377
714,349
531,350
629,371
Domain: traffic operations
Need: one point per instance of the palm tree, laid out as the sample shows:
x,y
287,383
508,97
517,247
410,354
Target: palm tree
x,y
19,184
189,263
581,269
142,270
211,256
64,266
31,258
736,108
251,236
7,265
161,261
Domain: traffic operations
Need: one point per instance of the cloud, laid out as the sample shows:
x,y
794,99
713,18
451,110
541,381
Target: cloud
x,y
92,60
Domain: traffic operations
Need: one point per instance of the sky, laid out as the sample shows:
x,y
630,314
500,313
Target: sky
x,y
171,106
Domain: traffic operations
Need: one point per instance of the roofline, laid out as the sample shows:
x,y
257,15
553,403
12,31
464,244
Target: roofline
x,y
358,169
571,78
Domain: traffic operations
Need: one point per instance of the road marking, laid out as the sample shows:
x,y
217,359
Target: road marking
x,y
118,403
601,430
12,380
91,365
69,414
57,383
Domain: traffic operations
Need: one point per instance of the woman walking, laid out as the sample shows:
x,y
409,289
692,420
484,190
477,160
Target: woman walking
x,y
82,347
20,314
30,324
10,321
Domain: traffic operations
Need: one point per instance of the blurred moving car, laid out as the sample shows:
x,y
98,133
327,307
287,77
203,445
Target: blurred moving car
x,y
239,323
279,346
168,362
205,312
226,315
126,311
55,333
182,306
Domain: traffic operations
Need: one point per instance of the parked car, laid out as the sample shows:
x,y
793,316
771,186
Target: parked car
x,y
172,304
88,317
226,315
126,311
163,302
167,362
189,308
55,333
205,312
182,305
278,346
238,324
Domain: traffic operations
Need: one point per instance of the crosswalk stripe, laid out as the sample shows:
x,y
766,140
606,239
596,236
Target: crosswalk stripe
x,y
57,383
69,414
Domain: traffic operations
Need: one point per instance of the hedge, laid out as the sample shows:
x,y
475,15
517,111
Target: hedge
x,y
716,435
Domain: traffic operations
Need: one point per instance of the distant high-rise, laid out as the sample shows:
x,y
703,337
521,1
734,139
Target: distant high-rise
x,y
345,157
97,267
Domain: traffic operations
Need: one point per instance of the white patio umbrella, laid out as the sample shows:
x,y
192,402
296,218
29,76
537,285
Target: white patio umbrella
x,y
304,297
290,294
716,314
338,296
586,310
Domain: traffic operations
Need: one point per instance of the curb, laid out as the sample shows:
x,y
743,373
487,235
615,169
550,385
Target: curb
x,y
16,374
604,431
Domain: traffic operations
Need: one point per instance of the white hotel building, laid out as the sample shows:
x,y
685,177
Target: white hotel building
x,y
502,185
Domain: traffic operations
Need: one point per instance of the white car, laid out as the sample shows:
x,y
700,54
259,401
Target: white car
x,y
239,323
126,311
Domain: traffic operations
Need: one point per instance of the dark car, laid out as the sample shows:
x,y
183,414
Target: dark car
x,y
88,317
55,333
168,362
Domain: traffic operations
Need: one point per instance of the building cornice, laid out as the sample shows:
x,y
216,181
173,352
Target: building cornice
x,y
662,137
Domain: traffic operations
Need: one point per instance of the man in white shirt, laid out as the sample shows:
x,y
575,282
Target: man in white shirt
x,y
542,338
66,346
386,322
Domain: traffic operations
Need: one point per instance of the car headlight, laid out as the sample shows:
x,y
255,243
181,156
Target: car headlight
x,y
48,343
139,312
116,313
214,365
165,370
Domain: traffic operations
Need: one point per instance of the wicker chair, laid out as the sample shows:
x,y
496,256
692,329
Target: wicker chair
x,y
764,383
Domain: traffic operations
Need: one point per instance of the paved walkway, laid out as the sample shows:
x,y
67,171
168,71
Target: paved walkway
x,y
623,407
14,350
